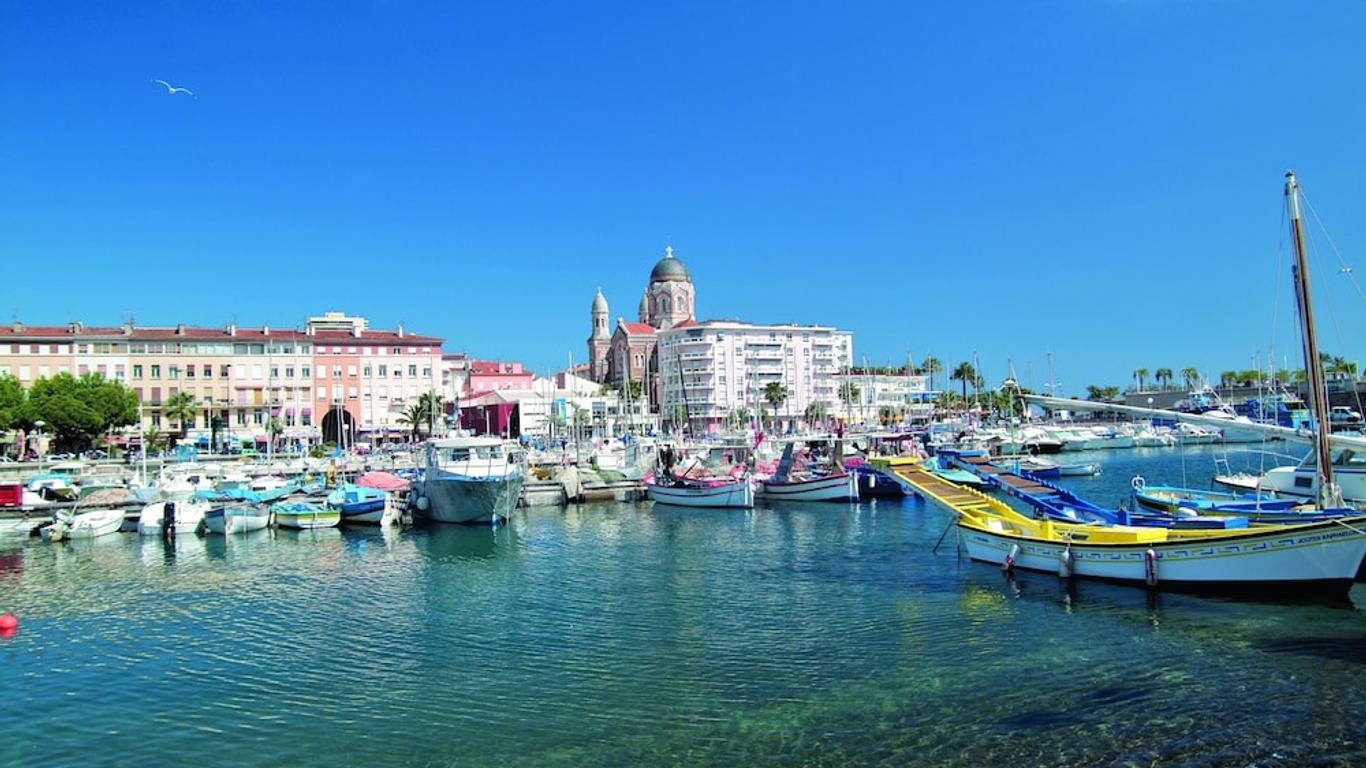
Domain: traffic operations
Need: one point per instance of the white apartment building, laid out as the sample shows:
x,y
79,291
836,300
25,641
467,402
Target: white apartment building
x,y
713,368
908,397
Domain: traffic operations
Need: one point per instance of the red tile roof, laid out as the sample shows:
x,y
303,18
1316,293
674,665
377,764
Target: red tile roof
x,y
215,334
688,324
638,327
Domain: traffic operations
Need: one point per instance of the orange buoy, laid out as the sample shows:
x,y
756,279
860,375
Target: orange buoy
x,y
9,624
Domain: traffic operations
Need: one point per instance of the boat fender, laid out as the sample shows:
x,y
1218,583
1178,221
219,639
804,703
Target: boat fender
x,y
1150,567
9,624
422,503
1138,482
1065,563
1010,557
872,480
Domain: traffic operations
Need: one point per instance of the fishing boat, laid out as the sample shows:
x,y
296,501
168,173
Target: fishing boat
x,y
358,503
172,517
1045,468
304,515
83,525
682,492
838,486
236,519
874,484
469,480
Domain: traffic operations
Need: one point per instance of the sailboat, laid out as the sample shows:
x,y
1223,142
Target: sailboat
x,y
1321,556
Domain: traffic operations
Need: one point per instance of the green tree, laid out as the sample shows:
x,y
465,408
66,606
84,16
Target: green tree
x,y
849,392
815,413
180,408
1190,377
775,394
1228,378
76,411
678,416
631,389
1163,376
964,373
11,402
930,366
1141,376
1098,393
414,416
433,407
739,418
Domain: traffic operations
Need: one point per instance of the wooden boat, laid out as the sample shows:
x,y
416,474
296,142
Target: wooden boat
x,y
236,519
358,504
186,517
695,493
303,515
841,486
84,525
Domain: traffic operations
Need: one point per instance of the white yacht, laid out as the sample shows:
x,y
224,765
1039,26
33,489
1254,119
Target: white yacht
x,y
469,480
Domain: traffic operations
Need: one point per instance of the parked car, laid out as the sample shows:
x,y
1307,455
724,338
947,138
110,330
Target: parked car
x,y
1342,414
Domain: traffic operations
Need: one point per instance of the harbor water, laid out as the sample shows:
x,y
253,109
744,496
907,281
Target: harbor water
x,y
625,634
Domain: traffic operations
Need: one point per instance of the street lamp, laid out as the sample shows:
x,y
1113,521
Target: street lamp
x,y
40,424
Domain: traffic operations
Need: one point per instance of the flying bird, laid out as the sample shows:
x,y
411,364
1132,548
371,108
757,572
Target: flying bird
x,y
173,90
1346,270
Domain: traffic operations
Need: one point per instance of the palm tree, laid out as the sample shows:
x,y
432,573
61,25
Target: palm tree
x,y
433,407
1164,376
1228,378
815,413
849,393
930,366
1191,377
964,373
775,394
414,416
180,408
1141,374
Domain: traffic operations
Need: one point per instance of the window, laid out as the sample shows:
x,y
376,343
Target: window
x,y
208,371
383,371
44,371
258,417
189,371
241,418
350,370
223,371
351,393
412,371
289,372
322,372
322,393
336,371
427,372
137,371
173,372
156,420
275,371
367,371
306,372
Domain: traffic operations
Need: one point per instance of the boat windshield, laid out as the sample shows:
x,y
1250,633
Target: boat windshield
x,y
471,453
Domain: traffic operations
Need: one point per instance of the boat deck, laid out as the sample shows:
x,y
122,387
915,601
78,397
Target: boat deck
x,y
951,496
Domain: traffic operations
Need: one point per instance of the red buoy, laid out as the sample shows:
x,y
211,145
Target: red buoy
x,y
9,624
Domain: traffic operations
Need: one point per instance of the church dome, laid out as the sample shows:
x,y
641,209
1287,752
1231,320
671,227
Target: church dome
x,y
669,269
600,303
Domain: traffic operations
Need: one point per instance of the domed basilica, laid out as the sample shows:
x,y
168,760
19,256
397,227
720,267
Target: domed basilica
x,y
627,351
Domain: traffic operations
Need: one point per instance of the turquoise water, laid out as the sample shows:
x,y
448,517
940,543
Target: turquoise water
x,y
617,634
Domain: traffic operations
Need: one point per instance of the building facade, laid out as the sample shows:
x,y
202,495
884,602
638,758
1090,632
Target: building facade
x,y
884,398
628,352
335,374
708,371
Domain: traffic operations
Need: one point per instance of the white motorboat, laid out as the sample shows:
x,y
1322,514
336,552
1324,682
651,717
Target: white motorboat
x,y
184,517
469,480
84,525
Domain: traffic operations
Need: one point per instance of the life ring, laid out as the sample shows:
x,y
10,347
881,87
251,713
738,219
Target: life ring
x,y
1138,482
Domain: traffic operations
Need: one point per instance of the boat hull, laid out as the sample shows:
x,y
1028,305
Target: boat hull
x,y
739,494
449,498
841,487
86,525
1320,558
316,517
188,517
229,520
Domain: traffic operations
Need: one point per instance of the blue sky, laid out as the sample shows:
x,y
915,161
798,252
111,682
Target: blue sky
x,y
1099,180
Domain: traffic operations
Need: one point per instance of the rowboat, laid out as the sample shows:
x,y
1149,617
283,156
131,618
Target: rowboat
x,y
236,519
693,493
84,525
302,515
185,517
842,486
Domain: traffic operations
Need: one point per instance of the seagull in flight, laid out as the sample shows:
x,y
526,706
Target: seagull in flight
x,y
1346,270
173,90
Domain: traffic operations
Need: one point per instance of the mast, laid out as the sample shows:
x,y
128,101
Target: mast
x,y
1329,494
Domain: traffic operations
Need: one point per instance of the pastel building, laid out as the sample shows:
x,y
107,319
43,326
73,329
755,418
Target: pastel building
x,y
709,370
492,375
890,398
336,377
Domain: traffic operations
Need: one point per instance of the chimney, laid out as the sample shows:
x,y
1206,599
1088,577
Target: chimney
x,y
355,330
400,330
232,329
74,327
265,330
180,329
17,327
127,327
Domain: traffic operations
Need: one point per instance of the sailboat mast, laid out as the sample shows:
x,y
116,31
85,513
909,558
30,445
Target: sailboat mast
x,y
1328,493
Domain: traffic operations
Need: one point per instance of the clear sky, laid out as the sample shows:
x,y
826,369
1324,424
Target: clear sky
x,y
1099,180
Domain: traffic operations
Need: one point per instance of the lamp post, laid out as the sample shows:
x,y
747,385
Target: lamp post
x,y
40,424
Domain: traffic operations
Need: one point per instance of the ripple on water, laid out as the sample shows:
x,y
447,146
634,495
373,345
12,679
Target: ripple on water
x,y
614,635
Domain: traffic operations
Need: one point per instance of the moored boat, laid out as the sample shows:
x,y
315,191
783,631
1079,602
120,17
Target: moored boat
x,y
179,516
693,493
469,480
841,486
304,515
236,519
83,525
